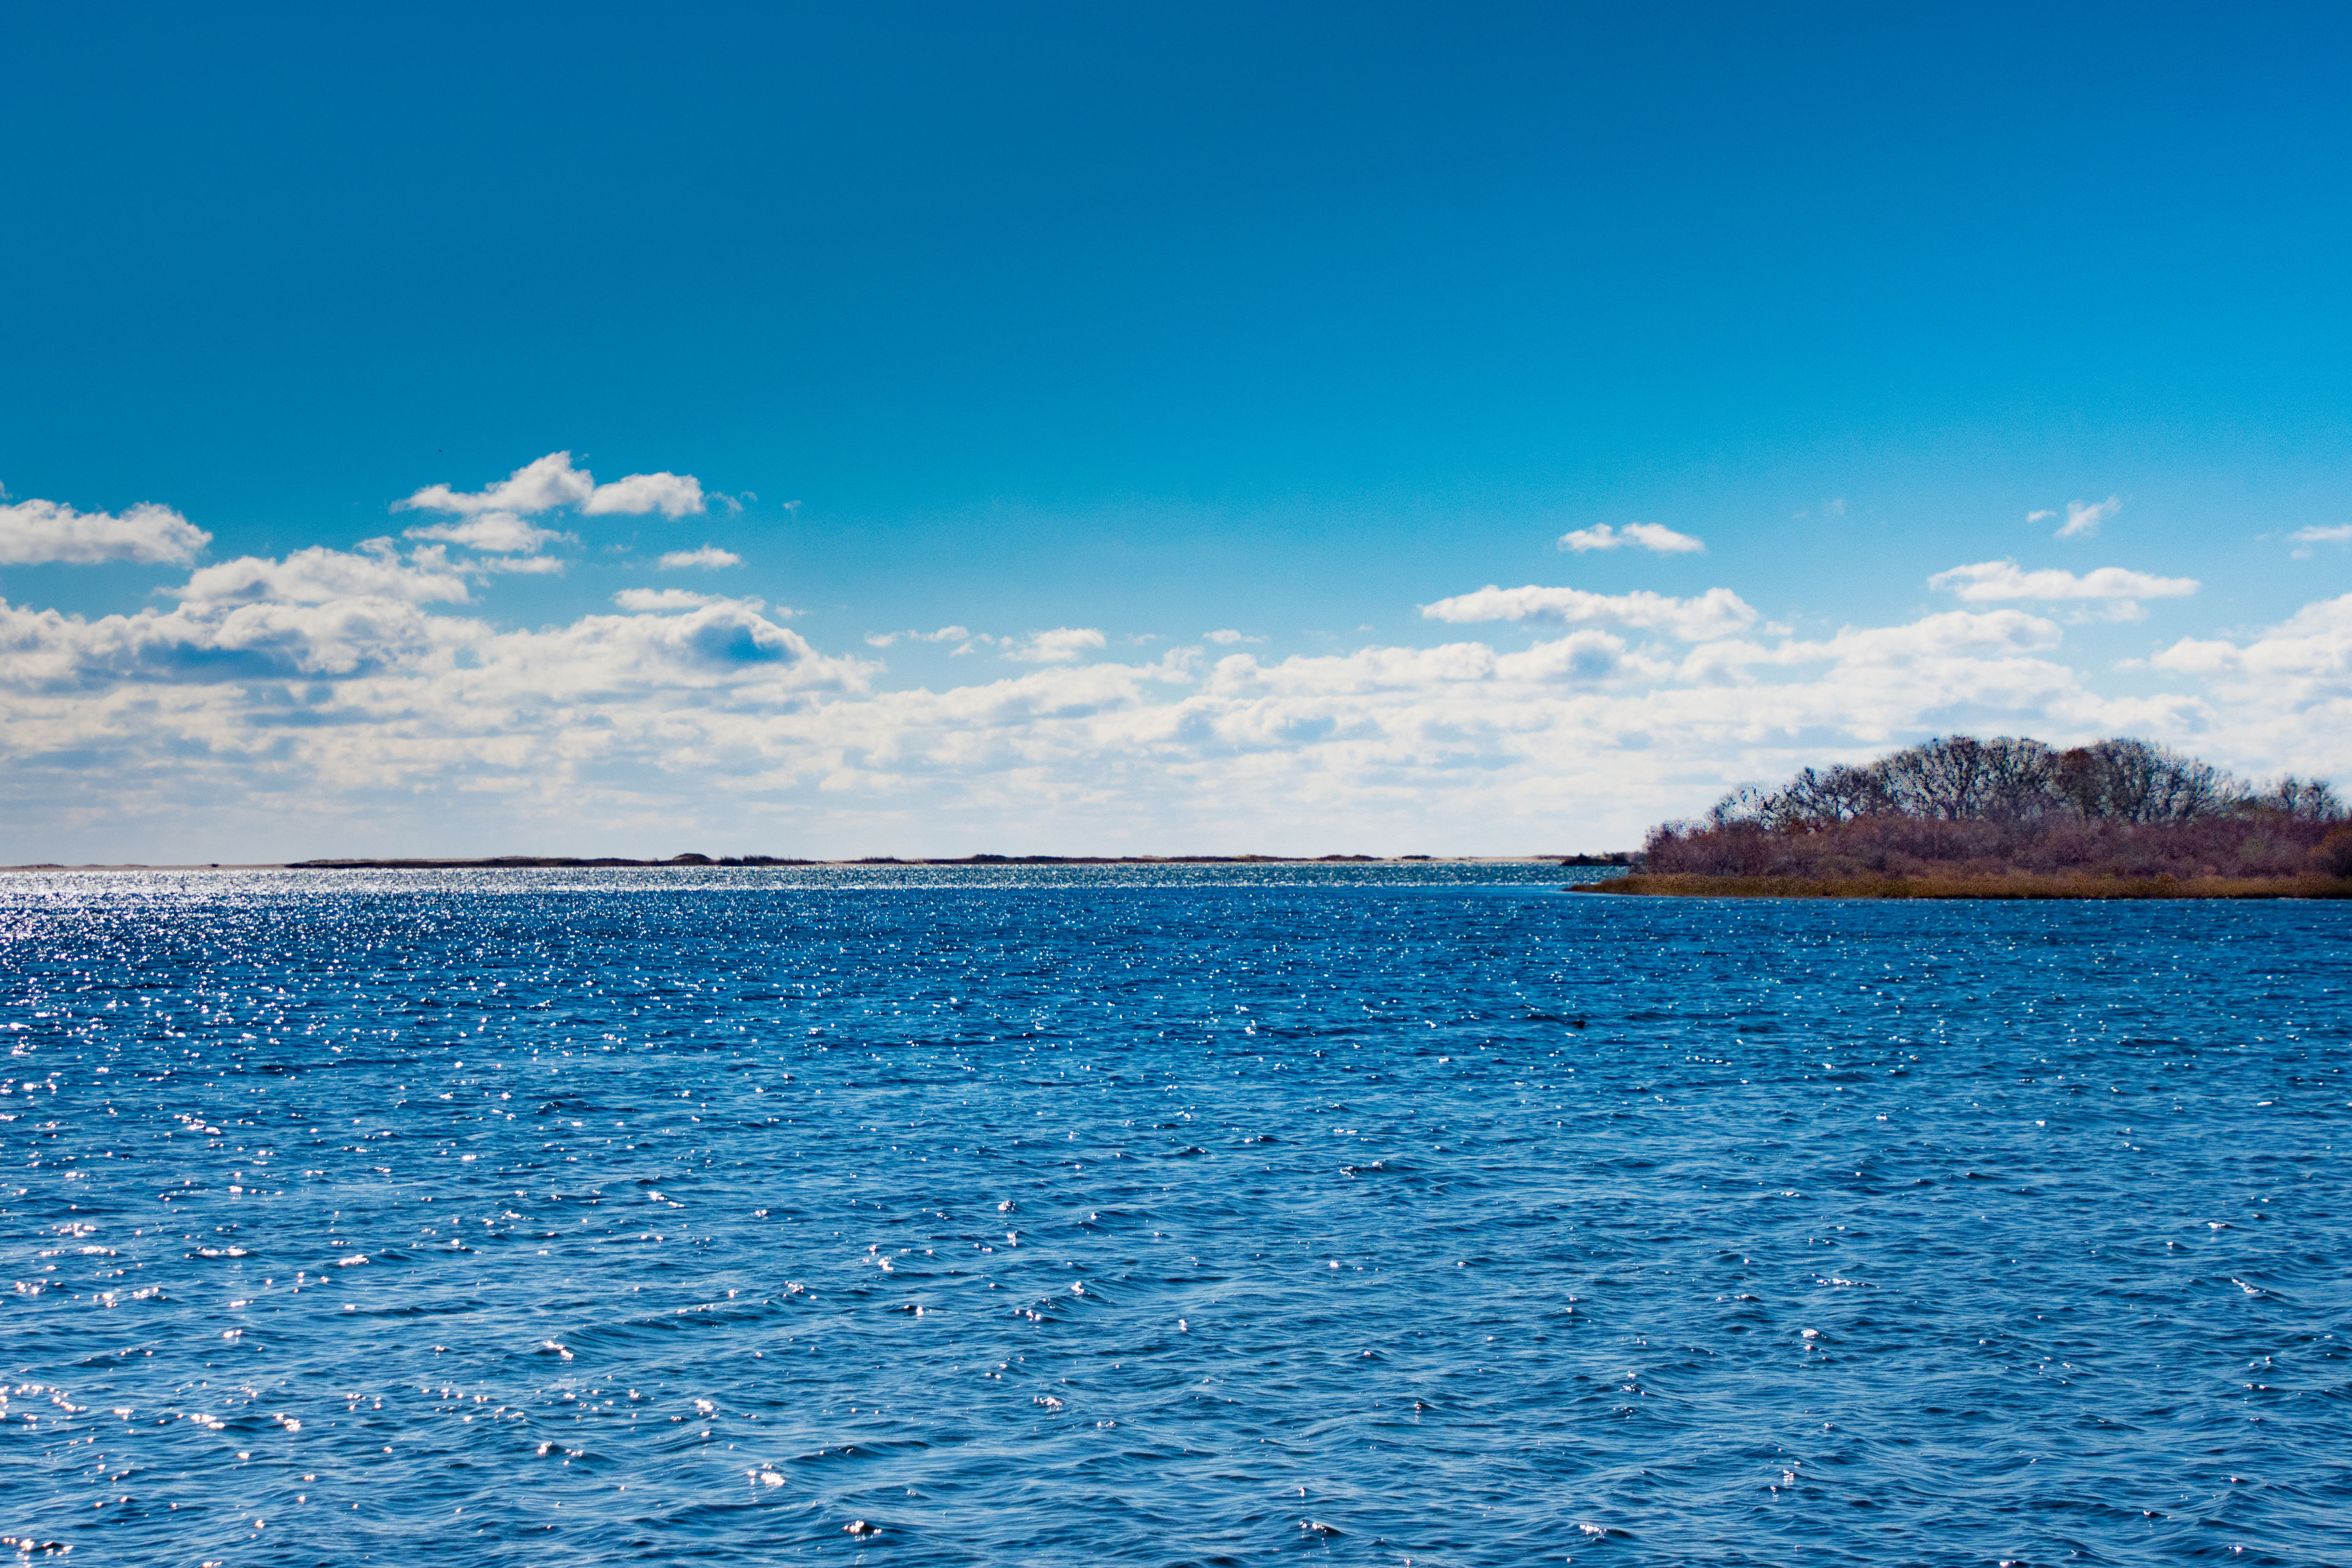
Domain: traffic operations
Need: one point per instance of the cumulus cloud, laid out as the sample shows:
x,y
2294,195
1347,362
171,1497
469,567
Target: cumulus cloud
x,y
672,495
500,532
319,575
709,557
2312,649
33,532
551,482
1641,535
2116,590
215,646
342,700
541,485
1717,613
2288,687
2082,517
1228,638
1061,646
1585,659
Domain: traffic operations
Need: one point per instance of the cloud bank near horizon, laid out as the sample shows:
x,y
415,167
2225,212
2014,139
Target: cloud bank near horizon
x,y
360,701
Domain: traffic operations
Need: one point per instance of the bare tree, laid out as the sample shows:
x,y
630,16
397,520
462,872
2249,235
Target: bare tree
x,y
2306,800
2017,779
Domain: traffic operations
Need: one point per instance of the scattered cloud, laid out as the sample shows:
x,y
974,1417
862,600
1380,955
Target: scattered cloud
x,y
319,575
551,482
672,495
341,699
2305,538
709,557
643,601
2312,650
1717,613
2082,517
34,531
278,694
1641,535
2044,515
1994,580
2288,688
501,531
2114,591
1061,646
945,634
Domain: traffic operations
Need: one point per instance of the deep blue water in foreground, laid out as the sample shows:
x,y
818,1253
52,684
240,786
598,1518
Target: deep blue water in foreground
x,y
1188,1217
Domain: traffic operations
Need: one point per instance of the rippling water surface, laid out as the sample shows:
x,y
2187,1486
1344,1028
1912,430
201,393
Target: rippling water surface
x,y
1170,1216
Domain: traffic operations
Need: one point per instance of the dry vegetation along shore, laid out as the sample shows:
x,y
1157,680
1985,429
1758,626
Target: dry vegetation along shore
x,y
2009,818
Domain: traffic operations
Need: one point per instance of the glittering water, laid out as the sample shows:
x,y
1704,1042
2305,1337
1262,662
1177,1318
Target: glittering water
x,y
1376,1215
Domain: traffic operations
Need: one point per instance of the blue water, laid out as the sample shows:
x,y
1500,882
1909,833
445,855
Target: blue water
x,y
1372,1214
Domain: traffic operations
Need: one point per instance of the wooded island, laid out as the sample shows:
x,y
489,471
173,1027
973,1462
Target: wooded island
x,y
2009,817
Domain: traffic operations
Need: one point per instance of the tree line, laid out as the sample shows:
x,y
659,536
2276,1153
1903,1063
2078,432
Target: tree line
x,y
1962,806
2017,780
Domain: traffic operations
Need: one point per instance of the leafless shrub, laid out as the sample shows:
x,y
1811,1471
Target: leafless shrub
x,y
2332,855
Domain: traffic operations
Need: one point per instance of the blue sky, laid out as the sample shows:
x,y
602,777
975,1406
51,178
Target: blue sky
x,y
1284,322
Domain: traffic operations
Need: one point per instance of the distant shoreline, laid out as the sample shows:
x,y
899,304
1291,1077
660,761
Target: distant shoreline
x,y
678,862
2016,885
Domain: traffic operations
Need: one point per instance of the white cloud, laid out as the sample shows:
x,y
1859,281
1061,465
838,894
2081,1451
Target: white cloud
x,y
1642,535
2082,517
1717,613
2042,515
2313,648
2288,688
2305,538
319,575
644,600
551,482
32,532
516,566
1966,635
541,485
945,634
350,702
1579,658
709,557
2116,590
503,531
1228,638
1060,646
672,495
